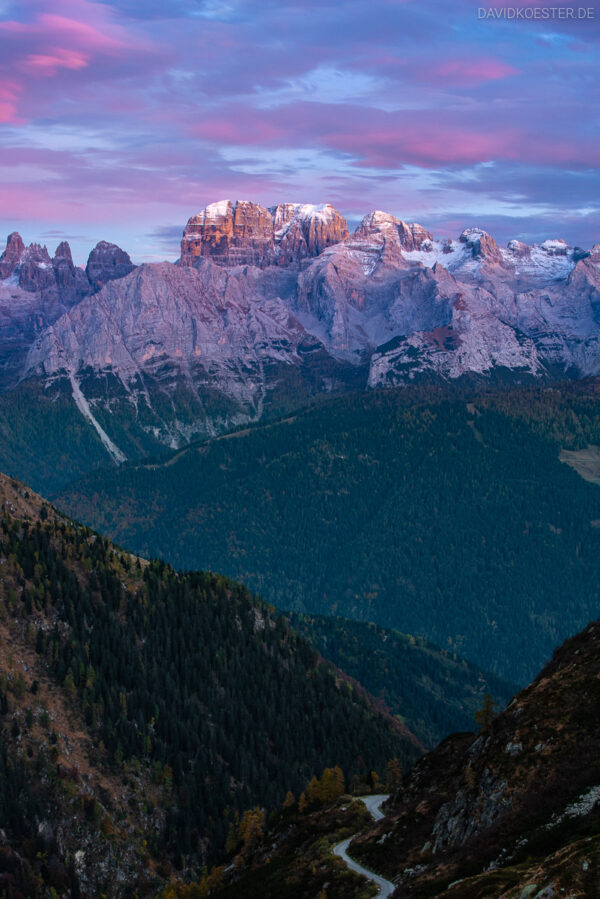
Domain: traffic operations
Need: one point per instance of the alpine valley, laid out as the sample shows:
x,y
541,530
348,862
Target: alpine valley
x,y
278,519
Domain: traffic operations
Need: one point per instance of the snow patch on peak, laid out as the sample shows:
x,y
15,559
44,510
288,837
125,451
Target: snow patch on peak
x,y
378,219
556,247
472,236
450,254
217,210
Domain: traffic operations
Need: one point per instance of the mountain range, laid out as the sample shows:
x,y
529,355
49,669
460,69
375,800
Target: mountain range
x,y
268,307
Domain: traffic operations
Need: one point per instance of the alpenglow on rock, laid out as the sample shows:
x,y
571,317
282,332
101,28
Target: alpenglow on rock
x,y
245,233
268,306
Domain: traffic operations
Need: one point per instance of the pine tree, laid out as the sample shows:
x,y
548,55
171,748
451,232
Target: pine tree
x,y
485,715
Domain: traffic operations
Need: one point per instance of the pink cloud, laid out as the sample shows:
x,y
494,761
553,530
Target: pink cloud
x,y
9,91
49,63
104,38
49,44
460,71
380,139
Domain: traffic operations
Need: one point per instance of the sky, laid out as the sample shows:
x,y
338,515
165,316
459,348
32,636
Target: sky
x,y
120,120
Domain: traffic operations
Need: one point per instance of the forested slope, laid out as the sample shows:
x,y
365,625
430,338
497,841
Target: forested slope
x,y
433,690
184,685
441,513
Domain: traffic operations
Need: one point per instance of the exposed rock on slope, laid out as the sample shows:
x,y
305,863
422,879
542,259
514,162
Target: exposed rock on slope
x,y
34,291
518,805
71,282
11,255
202,329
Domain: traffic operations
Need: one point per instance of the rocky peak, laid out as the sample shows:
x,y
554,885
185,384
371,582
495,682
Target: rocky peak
x,y
245,233
35,271
239,233
410,236
106,262
35,268
63,251
519,248
481,244
71,281
305,230
11,255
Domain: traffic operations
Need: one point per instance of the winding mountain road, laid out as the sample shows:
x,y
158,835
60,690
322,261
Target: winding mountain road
x,y
373,804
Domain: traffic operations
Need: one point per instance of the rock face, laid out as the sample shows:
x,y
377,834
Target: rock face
x,y
230,234
218,337
481,244
35,272
244,233
302,231
35,269
107,262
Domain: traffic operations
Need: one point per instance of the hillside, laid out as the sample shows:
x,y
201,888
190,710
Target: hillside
x,y
510,813
143,710
444,514
434,691
516,806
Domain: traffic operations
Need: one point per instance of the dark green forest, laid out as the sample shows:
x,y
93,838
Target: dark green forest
x,y
443,513
188,676
433,690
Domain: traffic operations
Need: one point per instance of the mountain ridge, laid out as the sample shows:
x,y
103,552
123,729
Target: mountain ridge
x,y
143,711
267,308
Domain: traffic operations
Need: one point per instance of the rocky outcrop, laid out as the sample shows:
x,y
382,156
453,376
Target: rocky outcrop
x,y
107,262
204,328
55,280
244,233
35,269
521,790
31,266
302,231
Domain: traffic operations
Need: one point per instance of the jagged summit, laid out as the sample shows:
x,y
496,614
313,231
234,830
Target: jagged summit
x,y
245,233
32,268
